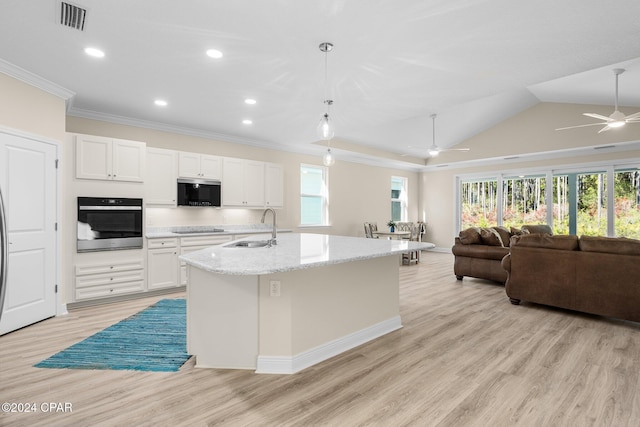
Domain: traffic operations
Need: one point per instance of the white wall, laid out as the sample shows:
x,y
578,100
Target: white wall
x,y
37,112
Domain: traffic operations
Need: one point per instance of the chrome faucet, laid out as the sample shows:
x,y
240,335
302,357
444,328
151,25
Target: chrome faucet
x,y
273,231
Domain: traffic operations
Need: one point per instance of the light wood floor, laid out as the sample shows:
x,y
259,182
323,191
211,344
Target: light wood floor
x,y
465,357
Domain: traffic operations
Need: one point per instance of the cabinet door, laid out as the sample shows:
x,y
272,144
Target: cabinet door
x,y
274,185
253,183
160,180
211,167
93,157
189,165
162,268
232,182
128,160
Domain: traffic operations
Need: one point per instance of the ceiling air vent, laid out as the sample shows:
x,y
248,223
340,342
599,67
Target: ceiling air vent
x,y
72,16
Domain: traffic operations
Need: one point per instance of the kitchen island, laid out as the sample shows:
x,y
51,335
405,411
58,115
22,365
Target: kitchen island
x,y
283,308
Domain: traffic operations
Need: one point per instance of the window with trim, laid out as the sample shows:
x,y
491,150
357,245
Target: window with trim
x,y
398,198
595,199
314,195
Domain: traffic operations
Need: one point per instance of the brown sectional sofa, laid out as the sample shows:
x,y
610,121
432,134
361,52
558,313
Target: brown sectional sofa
x,y
597,275
479,251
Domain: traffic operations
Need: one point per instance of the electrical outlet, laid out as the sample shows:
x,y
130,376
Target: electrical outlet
x,y
274,288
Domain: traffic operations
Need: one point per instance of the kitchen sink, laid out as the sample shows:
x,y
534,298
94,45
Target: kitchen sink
x,y
248,244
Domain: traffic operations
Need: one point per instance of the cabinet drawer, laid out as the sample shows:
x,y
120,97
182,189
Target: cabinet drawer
x,y
170,242
109,278
85,269
109,290
204,240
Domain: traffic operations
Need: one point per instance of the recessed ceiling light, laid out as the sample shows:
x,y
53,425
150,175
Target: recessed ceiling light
x,y
247,122
92,51
214,53
160,102
250,101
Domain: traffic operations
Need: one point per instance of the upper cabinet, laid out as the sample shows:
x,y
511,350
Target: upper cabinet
x,y
194,165
161,177
109,159
243,183
273,185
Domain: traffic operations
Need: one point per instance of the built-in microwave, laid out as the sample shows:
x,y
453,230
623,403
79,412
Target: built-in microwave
x,y
109,223
198,192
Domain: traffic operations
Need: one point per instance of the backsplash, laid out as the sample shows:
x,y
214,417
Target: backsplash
x,y
186,216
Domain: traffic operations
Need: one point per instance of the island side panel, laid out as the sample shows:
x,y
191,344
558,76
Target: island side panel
x,y
222,319
320,305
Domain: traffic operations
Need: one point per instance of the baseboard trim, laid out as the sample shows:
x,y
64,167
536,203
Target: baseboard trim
x,y
291,365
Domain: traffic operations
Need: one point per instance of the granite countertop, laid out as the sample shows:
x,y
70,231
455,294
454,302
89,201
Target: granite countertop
x,y
209,230
295,251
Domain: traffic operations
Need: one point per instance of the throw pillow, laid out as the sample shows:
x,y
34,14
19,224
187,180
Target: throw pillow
x,y
504,233
470,236
518,231
490,237
538,229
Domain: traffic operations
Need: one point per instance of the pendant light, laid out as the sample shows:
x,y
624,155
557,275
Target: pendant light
x,y
325,127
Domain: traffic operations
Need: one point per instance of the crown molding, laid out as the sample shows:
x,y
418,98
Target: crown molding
x,y
35,80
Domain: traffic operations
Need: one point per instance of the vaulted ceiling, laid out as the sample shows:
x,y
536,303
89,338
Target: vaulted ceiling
x,y
473,62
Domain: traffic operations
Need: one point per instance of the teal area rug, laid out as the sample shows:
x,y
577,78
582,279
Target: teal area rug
x,y
154,339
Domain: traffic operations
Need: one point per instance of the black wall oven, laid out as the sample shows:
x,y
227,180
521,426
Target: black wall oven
x,y
106,224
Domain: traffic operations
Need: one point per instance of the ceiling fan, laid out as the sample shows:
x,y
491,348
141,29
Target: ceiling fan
x,y
434,150
615,120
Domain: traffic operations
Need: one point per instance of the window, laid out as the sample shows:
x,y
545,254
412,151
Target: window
x,y
523,200
478,203
597,199
398,198
314,195
627,203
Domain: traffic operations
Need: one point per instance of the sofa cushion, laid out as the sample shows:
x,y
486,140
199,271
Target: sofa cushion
x,y
490,237
505,235
538,229
612,245
470,236
562,242
480,251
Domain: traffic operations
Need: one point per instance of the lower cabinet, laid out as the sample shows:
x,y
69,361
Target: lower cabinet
x,y
162,263
105,279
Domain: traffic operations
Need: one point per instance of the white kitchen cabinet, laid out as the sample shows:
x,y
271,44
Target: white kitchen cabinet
x,y
243,183
273,185
103,158
194,165
109,278
162,263
161,177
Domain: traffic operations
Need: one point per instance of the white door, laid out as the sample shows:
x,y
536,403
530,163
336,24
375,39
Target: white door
x,y
28,183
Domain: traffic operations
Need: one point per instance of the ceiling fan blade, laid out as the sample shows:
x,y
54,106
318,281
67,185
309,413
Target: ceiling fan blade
x,y
597,116
604,129
633,116
581,126
456,149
